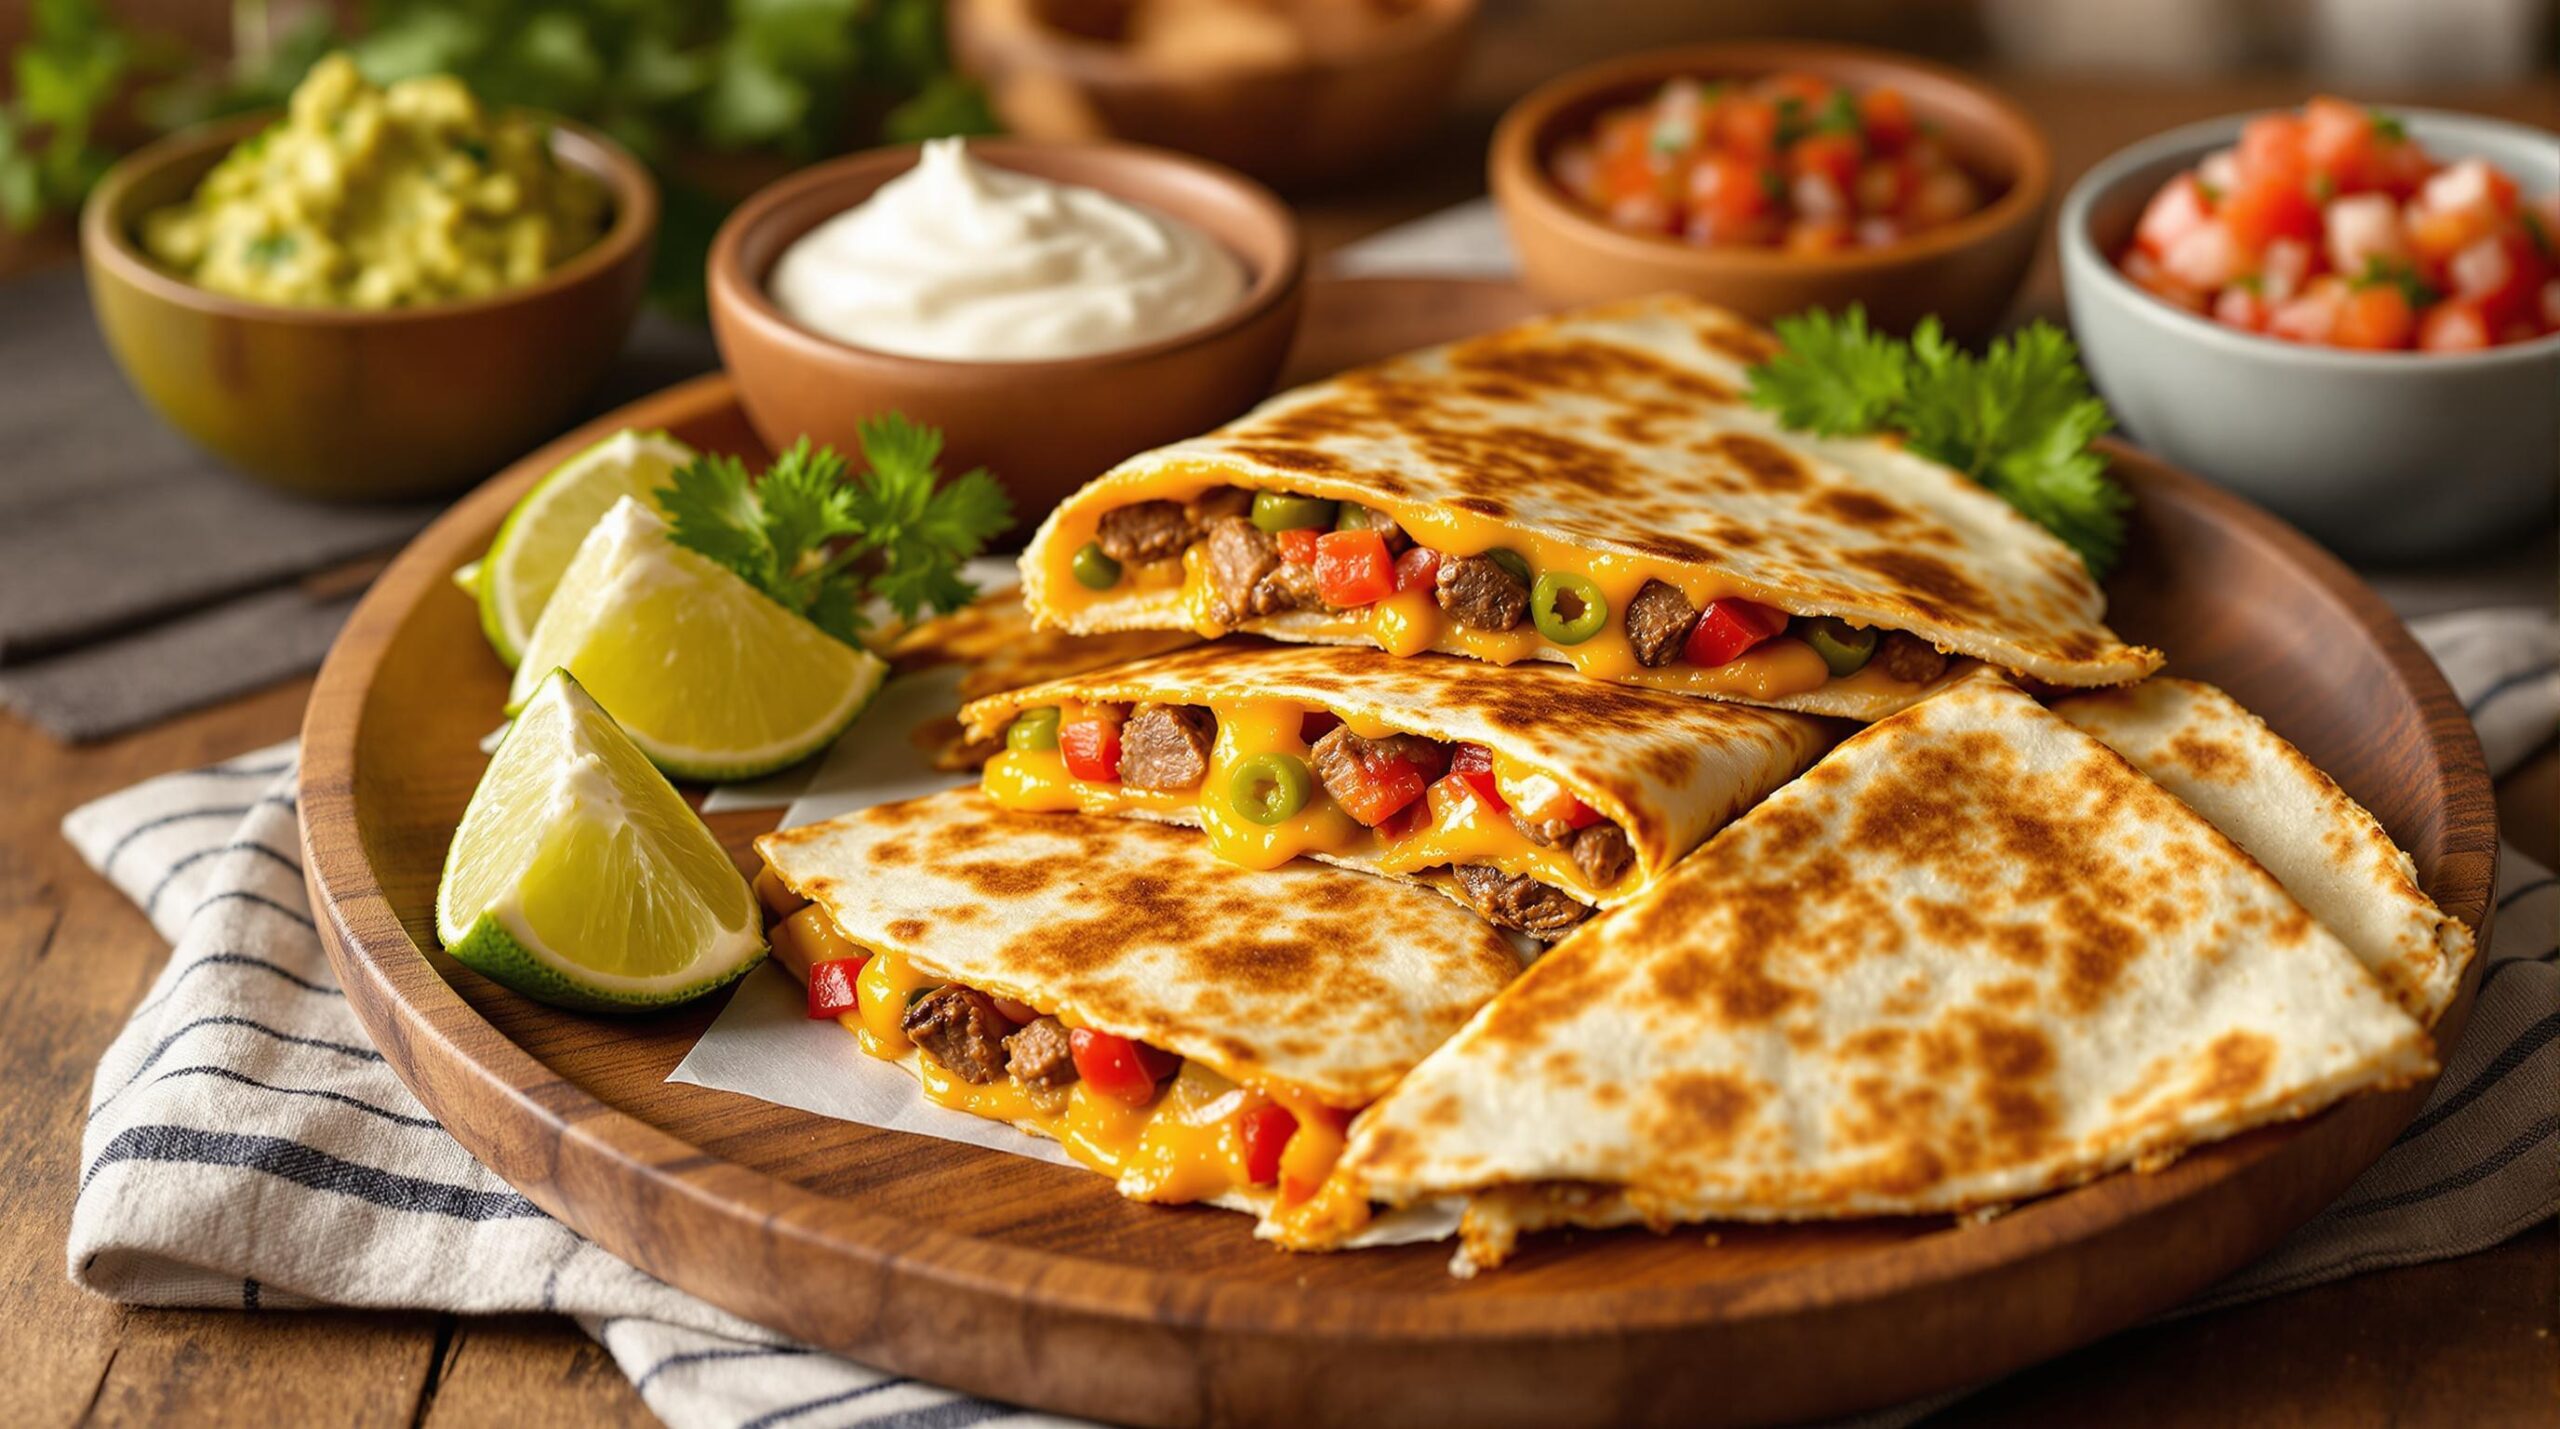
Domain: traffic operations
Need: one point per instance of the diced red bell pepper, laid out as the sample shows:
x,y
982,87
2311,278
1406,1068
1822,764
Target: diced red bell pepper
x,y
1407,821
1297,546
831,986
1092,749
1119,1066
1385,783
1886,117
2260,212
1353,568
1265,1129
1316,724
1417,569
1581,815
1473,763
1728,628
1833,156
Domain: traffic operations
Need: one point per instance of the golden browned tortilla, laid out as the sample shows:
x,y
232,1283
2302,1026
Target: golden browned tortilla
x,y
1970,957
1615,442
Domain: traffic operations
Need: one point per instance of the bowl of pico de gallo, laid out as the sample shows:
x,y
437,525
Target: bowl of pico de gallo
x,y
2349,313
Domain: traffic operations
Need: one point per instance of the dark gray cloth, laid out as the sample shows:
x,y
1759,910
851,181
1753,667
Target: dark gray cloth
x,y
140,577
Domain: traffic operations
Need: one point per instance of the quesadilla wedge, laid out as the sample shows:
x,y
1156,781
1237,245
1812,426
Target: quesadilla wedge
x,y
1590,489
1530,794
1970,957
2327,851
1194,1030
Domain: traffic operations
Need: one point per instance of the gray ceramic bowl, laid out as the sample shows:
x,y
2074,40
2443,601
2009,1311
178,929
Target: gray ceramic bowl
x,y
2383,455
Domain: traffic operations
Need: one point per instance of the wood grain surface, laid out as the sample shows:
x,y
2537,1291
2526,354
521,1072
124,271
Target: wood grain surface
x,y
1041,1286
2474,1341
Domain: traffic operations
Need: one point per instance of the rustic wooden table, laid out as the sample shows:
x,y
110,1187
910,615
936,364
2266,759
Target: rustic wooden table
x,y
2468,1342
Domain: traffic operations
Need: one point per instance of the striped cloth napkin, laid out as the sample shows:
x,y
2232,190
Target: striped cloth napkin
x,y
248,1148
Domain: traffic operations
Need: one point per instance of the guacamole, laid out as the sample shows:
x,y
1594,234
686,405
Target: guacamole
x,y
365,197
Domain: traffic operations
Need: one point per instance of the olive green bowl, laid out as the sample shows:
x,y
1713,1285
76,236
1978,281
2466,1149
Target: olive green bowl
x,y
359,405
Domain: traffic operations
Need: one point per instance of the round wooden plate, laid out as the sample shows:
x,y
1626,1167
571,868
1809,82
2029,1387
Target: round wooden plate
x,y
1041,1286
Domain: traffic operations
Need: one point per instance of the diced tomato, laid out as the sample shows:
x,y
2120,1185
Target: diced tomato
x,y
2504,274
1265,1128
1120,1067
2258,213
1581,815
1748,125
1728,188
2241,307
1297,547
2176,211
2376,316
831,986
2551,306
1729,627
1316,724
2273,150
1353,568
2436,234
2339,140
1833,156
1385,783
1943,196
1092,748
2470,184
1417,569
1886,117
1473,764
2453,327
1404,823
2362,229
2282,269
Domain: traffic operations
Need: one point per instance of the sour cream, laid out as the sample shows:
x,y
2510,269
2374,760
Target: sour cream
x,y
963,261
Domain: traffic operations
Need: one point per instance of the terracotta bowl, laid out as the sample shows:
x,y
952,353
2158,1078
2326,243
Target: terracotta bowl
x,y
1966,272
1301,123
351,404
1044,427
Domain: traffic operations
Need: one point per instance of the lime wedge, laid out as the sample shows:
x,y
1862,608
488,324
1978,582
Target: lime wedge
x,y
537,539
709,676
580,878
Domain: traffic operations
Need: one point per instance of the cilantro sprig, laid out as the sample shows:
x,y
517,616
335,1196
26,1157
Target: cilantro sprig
x,y
823,542
2019,419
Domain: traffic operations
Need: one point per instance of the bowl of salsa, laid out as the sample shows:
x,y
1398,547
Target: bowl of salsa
x,y
1772,178
2350,313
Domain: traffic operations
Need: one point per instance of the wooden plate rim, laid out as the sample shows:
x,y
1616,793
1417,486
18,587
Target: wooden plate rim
x,y
370,943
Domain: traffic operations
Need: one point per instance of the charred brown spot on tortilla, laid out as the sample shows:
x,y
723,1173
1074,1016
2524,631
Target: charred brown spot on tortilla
x,y
892,853
1769,466
2234,1066
997,879
1483,506
1701,1113
1292,458
2210,760
1931,586
908,930
1852,507
1745,345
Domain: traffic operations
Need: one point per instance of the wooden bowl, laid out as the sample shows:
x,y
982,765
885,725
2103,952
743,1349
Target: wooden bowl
x,y
1967,272
1041,1286
346,403
1306,122
1045,427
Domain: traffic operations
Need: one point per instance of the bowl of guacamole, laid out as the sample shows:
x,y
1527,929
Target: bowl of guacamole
x,y
384,291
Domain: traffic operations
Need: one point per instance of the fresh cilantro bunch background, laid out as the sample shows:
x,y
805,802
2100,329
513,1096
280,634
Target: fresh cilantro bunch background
x,y
2019,419
823,543
671,80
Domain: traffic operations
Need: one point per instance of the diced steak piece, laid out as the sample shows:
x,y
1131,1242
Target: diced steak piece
x,y
1479,594
1342,759
1518,901
1545,833
1216,504
1147,531
1910,658
1247,577
962,1029
1167,747
1603,853
1042,1058
1658,620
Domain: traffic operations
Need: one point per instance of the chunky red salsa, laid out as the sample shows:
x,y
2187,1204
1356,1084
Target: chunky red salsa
x,y
2333,226
1791,161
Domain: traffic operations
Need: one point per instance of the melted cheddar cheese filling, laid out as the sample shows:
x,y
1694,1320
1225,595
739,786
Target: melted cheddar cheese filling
x,y
1463,828
1185,1145
1410,622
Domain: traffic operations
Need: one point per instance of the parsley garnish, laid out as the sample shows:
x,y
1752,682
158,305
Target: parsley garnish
x,y
822,543
2398,273
2388,127
2019,419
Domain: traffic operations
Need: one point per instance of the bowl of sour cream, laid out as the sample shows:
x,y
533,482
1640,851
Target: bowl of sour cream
x,y
1052,308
